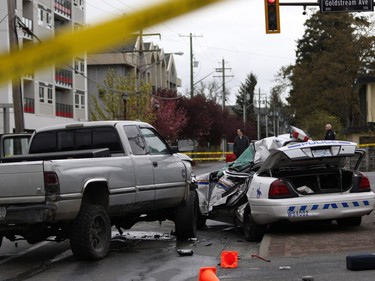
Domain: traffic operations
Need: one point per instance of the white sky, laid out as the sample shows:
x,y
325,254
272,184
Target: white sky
x,y
233,30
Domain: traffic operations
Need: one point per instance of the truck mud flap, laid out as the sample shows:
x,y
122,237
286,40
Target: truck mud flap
x,y
360,262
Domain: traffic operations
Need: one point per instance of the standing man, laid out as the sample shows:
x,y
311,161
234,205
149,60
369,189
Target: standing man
x,y
330,134
241,142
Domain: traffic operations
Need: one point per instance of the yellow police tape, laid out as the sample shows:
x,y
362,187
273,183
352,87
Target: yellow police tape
x,y
207,153
366,145
69,44
208,157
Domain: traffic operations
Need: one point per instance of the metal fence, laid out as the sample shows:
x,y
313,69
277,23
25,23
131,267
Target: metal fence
x,y
368,162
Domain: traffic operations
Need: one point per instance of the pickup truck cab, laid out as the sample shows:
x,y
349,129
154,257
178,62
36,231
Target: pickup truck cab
x,y
78,180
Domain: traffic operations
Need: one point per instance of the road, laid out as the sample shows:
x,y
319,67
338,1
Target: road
x,y
148,252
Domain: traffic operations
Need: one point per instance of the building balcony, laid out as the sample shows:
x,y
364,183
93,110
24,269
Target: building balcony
x,y
28,24
64,110
28,105
63,8
64,78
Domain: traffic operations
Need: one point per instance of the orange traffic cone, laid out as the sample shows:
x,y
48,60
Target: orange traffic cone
x,y
229,259
207,274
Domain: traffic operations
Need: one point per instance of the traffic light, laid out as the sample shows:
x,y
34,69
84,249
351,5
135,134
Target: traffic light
x,y
271,8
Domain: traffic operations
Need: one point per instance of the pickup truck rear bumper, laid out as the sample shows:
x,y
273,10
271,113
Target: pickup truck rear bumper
x,y
29,214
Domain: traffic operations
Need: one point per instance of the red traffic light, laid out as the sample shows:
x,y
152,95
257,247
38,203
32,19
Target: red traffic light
x,y
272,16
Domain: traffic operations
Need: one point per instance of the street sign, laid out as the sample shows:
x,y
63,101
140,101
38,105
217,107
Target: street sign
x,y
346,6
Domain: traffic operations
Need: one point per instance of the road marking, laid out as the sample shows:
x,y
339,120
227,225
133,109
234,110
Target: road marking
x,y
69,44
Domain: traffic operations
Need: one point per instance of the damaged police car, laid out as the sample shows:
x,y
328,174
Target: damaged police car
x,y
288,178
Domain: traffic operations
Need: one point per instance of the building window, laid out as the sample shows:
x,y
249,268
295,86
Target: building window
x,y
49,20
45,93
44,16
49,95
79,66
40,16
79,3
41,94
79,98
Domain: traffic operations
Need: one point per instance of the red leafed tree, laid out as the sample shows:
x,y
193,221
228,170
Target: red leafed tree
x,y
170,119
203,115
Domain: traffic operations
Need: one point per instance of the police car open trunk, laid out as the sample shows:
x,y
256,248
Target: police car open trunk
x,y
315,167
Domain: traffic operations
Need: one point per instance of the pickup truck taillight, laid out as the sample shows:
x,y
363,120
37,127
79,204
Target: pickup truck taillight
x,y
51,183
280,189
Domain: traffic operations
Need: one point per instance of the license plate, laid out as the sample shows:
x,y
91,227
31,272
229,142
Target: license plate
x,y
3,212
321,153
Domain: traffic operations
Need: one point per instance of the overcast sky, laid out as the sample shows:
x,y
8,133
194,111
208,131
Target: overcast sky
x,y
233,30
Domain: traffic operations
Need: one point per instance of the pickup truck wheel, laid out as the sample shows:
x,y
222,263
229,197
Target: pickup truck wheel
x,y
253,232
353,221
186,219
90,236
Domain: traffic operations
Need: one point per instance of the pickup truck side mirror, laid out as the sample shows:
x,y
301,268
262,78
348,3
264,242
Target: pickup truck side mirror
x,y
185,145
182,146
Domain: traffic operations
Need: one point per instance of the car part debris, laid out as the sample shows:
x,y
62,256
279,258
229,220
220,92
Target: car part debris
x,y
185,252
260,257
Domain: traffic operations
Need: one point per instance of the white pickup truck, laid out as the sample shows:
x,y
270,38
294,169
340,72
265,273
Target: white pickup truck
x,y
79,180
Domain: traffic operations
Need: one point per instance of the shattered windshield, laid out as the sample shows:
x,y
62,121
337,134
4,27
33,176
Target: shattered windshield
x,y
245,159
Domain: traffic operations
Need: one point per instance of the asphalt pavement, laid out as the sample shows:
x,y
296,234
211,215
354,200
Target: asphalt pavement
x,y
312,249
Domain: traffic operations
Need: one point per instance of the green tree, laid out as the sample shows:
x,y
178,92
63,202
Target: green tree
x,y
110,105
245,97
276,111
335,49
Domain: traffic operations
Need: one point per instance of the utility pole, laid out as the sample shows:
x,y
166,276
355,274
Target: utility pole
x,y
191,63
16,85
258,117
222,70
266,119
140,61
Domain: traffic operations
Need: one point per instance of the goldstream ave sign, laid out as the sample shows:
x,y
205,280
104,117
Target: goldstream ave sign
x,y
346,6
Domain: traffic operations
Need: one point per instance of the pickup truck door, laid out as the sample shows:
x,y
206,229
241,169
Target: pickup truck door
x,y
144,176
169,171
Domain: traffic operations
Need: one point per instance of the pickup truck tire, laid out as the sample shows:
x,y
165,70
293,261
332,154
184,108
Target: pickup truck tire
x,y
253,232
91,233
186,219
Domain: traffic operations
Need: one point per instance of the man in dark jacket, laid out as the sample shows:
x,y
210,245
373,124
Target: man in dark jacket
x,y
330,134
241,142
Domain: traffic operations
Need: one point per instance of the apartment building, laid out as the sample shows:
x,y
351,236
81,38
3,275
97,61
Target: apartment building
x,y
144,61
56,94
60,94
